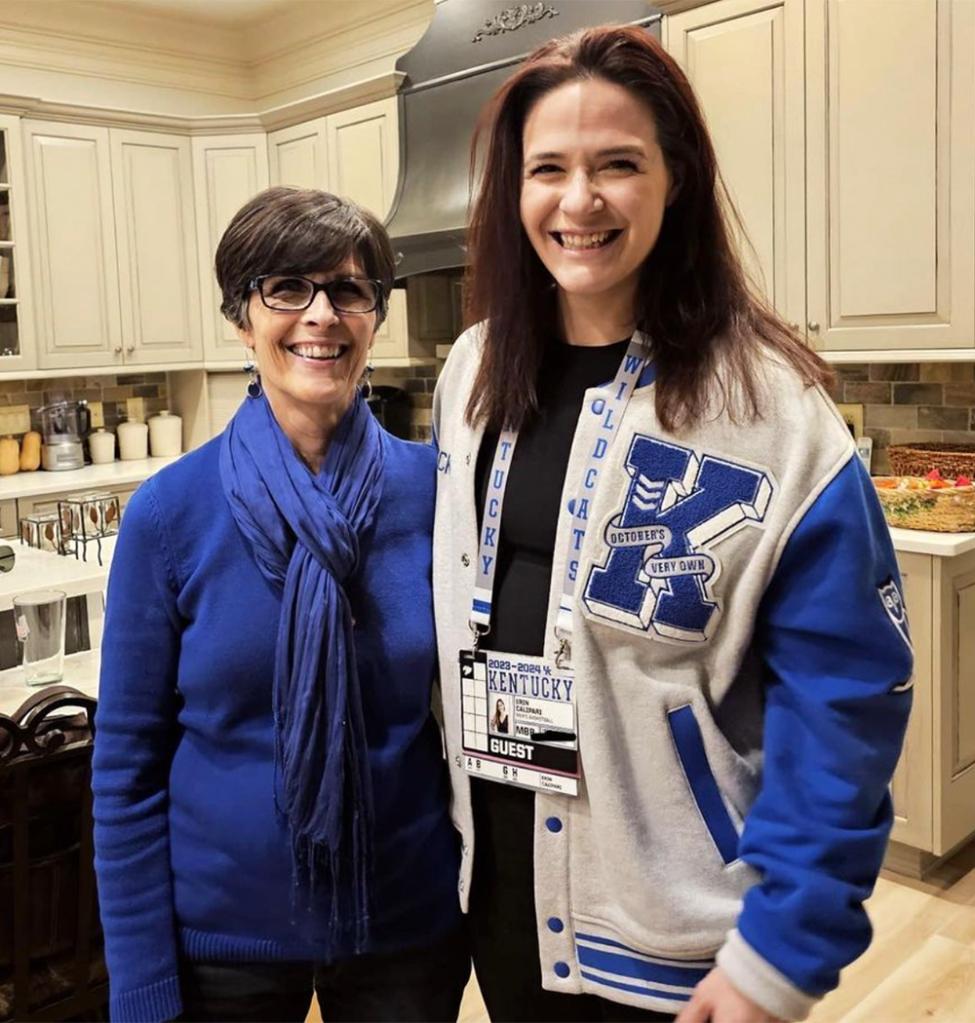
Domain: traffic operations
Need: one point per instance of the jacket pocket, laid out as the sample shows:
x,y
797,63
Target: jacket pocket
x,y
686,734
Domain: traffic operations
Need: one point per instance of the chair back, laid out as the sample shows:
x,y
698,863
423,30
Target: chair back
x,y
51,961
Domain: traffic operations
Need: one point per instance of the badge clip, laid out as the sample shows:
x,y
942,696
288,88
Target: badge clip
x,y
479,630
564,653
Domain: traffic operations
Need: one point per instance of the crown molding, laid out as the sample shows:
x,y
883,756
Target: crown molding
x,y
282,116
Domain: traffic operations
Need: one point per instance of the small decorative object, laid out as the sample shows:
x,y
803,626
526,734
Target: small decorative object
x,y
133,441
42,531
88,517
928,502
101,444
165,435
515,17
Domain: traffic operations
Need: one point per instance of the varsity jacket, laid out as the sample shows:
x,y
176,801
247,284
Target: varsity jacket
x,y
742,676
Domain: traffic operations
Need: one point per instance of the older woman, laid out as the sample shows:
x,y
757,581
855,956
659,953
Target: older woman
x,y
270,795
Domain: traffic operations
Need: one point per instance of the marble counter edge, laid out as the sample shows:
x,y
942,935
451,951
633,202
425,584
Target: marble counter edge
x,y
943,545
117,473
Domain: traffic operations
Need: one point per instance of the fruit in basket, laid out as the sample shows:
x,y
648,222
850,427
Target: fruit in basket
x,y
934,474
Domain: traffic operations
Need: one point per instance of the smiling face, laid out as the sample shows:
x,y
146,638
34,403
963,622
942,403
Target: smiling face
x,y
310,361
594,190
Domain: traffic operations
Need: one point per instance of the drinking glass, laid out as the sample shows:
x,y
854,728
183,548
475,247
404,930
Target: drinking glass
x,y
40,619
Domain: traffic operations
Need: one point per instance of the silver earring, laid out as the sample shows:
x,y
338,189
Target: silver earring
x,y
253,381
365,383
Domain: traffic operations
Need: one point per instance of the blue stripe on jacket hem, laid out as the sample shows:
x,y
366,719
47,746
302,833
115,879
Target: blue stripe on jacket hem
x,y
640,969
702,960
151,1004
669,996
691,753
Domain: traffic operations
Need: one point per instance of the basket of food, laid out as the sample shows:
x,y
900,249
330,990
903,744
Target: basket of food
x,y
951,460
928,502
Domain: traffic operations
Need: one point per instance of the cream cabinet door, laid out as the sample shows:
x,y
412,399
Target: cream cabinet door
x,y
228,170
891,165
72,234
155,230
745,61
297,155
912,787
363,165
17,341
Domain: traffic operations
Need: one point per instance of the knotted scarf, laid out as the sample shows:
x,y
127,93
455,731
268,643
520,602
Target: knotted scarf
x,y
304,532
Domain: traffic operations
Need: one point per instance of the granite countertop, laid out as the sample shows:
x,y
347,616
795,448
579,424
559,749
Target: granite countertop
x,y
42,570
39,483
80,672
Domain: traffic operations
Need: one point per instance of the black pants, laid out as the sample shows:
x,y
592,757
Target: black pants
x,y
504,941
414,986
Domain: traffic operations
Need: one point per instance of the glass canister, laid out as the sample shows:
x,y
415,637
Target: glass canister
x,y
42,531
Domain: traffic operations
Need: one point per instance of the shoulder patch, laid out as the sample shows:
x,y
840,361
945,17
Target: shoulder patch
x,y
893,602
658,564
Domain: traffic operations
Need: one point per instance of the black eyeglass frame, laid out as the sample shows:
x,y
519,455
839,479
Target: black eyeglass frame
x,y
380,306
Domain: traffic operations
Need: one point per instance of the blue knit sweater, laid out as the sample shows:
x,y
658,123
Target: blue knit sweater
x,y
192,857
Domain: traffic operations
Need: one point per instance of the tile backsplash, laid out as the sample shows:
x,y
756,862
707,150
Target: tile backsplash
x,y
112,391
910,401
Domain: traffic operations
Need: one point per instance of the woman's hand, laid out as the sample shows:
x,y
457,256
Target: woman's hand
x,y
717,1000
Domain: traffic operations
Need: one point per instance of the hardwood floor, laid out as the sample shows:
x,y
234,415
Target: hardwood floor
x,y
920,967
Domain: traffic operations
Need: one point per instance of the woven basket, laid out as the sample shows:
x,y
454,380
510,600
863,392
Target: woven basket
x,y
950,460
944,511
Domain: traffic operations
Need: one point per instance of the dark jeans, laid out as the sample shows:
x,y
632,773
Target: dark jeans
x,y
502,919
416,985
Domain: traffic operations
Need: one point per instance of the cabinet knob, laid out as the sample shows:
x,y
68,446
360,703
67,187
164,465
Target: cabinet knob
x,y
130,349
813,326
794,326
118,349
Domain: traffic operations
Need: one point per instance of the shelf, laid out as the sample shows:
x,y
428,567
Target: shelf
x,y
9,301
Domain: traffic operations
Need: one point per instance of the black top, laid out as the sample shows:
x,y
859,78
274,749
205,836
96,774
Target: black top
x,y
530,514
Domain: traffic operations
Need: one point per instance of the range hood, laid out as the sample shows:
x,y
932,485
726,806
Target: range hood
x,y
466,53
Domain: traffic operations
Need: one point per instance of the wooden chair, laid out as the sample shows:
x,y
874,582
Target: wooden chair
x,y
51,961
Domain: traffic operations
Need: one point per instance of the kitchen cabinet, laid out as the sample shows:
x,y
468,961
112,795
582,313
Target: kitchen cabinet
x,y
934,786
844,132
72,232
353,153
113,239
16,307
9,523
228,170
156,238
297,155
39,504
745,61
890,105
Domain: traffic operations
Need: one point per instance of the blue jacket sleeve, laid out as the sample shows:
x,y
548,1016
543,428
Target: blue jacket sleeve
x,y
135,735
838,658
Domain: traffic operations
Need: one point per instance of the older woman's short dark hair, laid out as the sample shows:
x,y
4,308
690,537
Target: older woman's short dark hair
x,y
298,231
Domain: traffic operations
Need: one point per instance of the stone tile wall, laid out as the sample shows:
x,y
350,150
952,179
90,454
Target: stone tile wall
x,y
418,382
905,402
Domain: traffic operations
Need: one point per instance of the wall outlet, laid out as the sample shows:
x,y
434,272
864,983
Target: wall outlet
x,y
14,419
97,411
135,410
853,417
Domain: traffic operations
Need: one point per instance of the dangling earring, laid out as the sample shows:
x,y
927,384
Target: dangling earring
x,y
253,380
365,383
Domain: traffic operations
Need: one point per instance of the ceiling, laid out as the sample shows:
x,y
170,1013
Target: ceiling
x,y
214,12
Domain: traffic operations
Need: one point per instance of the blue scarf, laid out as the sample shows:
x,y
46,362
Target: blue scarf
x,y
304,532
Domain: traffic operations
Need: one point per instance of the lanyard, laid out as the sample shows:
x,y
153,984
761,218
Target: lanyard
x,y
608,407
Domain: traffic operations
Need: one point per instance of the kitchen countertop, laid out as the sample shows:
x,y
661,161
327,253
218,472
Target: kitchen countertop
x,y
921,541
80,672
42,570
34,484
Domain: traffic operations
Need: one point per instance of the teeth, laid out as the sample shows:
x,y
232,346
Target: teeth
x,y
310,351
584,241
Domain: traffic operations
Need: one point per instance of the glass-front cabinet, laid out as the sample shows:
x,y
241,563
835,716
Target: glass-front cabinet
x,y
16,312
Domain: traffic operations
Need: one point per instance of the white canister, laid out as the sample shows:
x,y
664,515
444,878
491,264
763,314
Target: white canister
x,y
101,444
165,435
133,441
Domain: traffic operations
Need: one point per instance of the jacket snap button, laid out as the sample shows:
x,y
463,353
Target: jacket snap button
x,y
555,925
467,459
554,825
562,969
465,560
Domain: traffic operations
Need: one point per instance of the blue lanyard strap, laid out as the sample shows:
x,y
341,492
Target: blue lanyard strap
x,y
608,406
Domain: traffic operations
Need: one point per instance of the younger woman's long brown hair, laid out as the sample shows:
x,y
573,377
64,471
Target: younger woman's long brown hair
x,y
693,299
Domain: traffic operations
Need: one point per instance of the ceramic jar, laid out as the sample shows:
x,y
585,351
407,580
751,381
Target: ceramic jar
x,y
101,444
165,435
133,441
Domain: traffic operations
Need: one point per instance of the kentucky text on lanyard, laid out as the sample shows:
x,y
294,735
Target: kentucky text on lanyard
x,y
609,407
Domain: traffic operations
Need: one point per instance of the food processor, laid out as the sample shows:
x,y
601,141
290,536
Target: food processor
x,y
64,426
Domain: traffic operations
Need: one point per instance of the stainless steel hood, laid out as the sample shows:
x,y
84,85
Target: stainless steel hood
x,y
469,49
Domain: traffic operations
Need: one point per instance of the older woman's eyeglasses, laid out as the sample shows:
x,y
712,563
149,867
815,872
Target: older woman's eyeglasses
x,y
292,293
